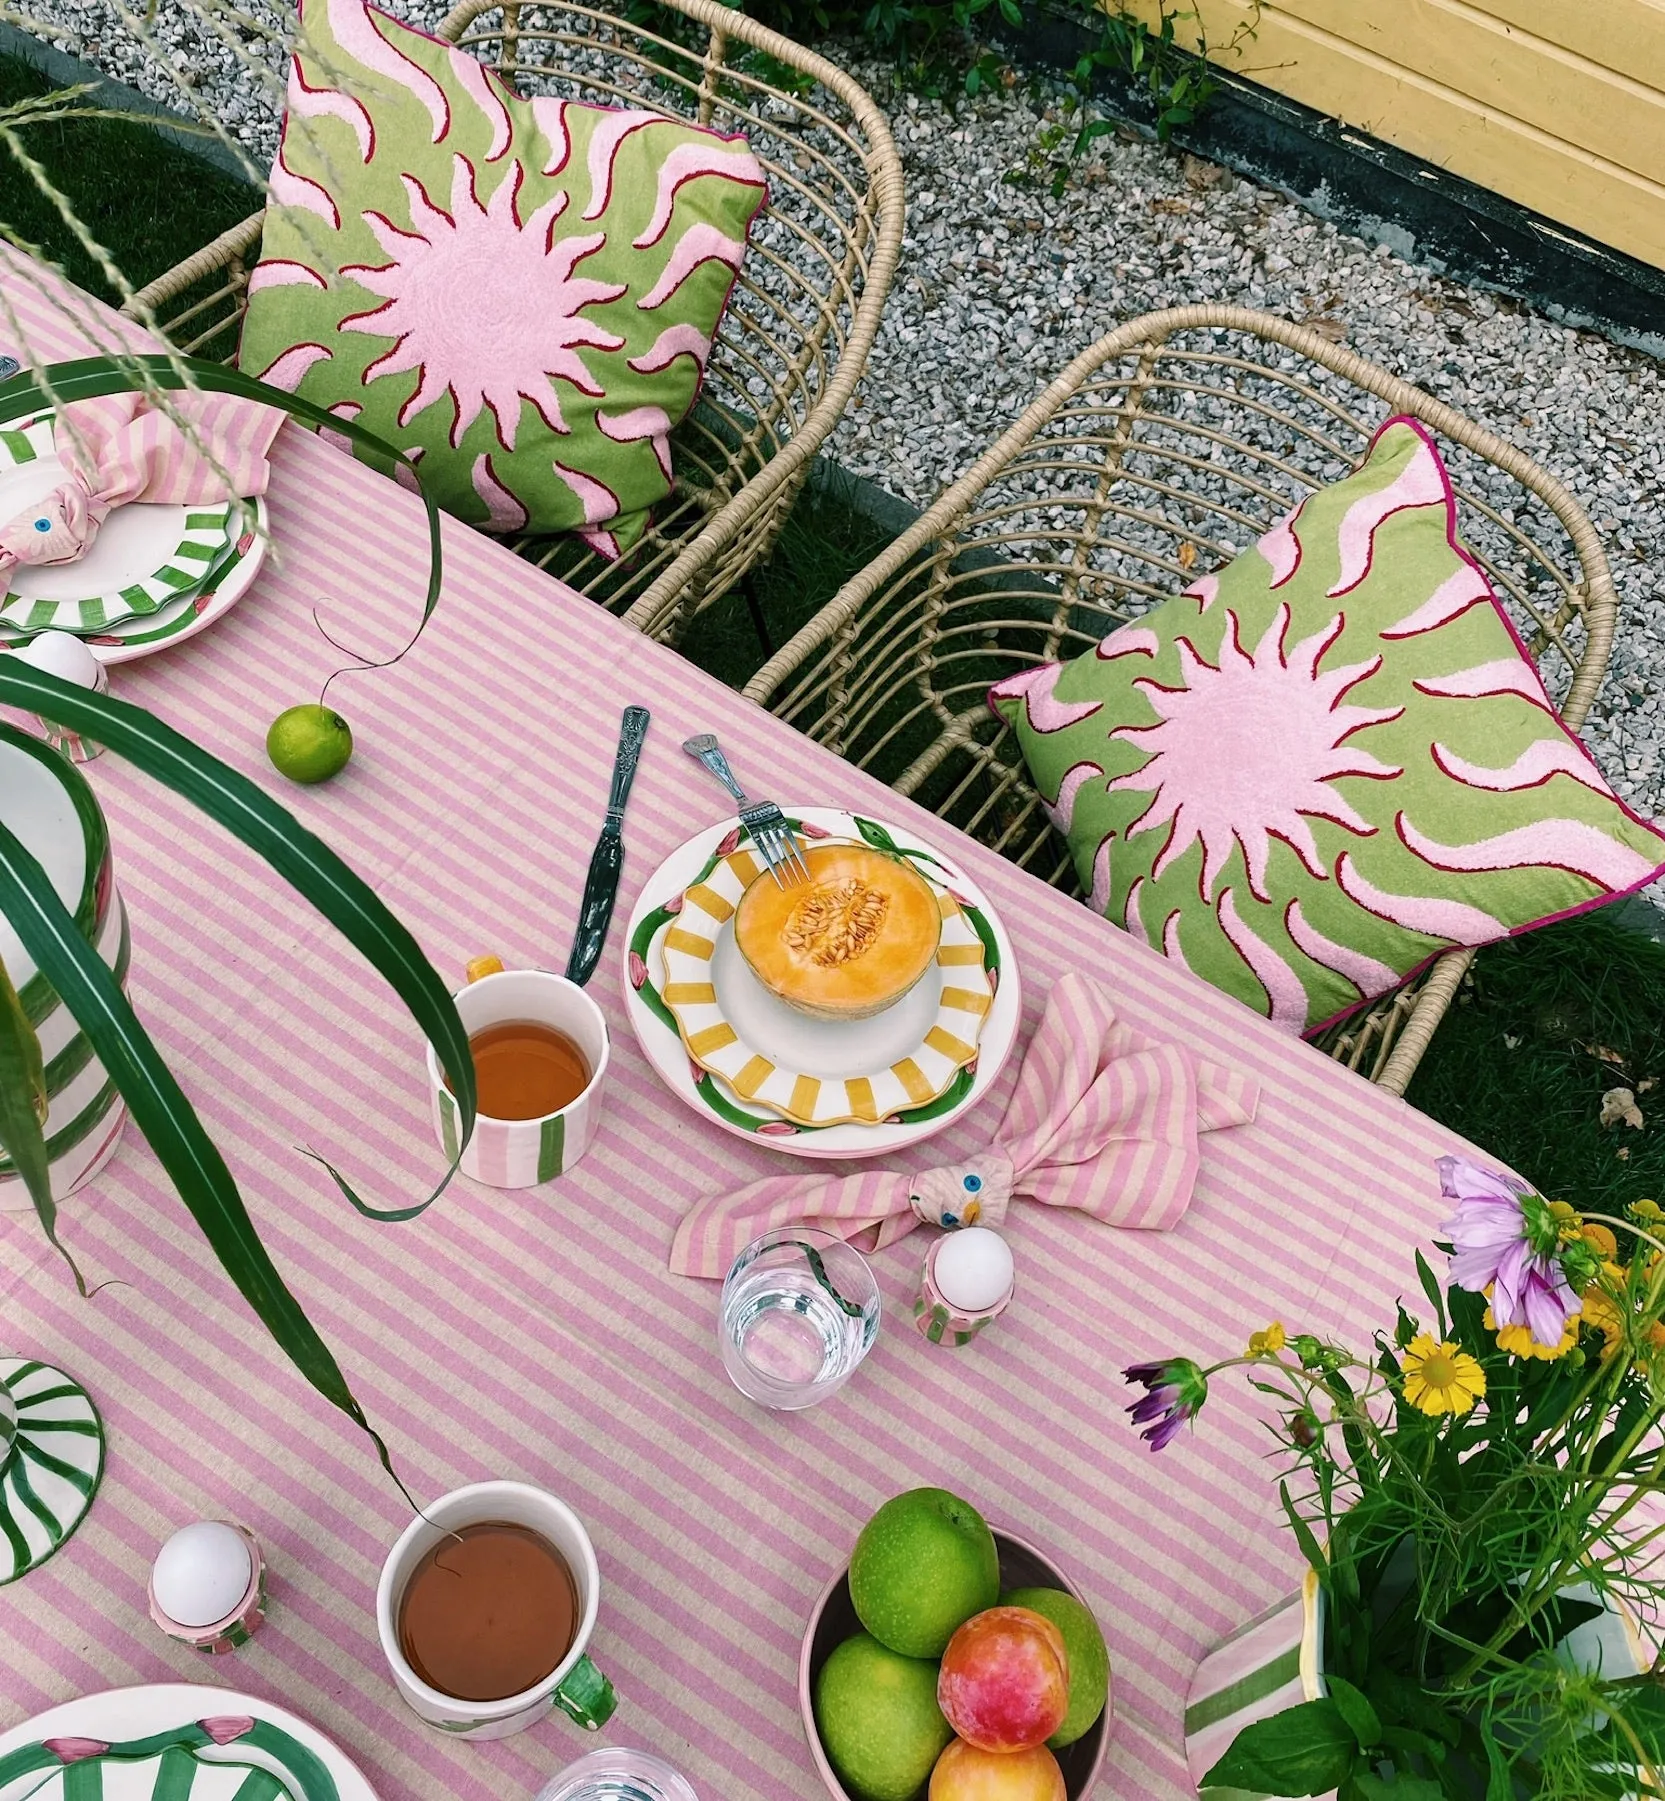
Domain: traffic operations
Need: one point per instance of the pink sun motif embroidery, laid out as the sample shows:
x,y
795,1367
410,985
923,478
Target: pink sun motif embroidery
x,y
486,308
1248,751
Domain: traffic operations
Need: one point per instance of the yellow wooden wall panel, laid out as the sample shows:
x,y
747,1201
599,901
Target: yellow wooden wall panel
x,y
1510,71
1625,35
1484,144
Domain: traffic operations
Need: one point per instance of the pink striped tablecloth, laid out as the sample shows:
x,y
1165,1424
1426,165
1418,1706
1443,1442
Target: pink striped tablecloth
x,y
538,1335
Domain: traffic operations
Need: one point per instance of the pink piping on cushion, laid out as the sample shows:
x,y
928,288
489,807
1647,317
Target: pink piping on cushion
x,y
699,244
1281,549
1288,999
506,513
1531,769
287,370
605,141
280,272
672,342
475,80
1465,587
352,24
1421,483
687,162
1435,918
1569,844
306,102
1367,974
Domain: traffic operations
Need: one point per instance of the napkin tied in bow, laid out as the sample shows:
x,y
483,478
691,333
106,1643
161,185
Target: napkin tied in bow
x,y
119,447
1103,1119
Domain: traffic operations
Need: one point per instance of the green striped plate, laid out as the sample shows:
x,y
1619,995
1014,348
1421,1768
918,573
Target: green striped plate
x,y
57,1460
144,557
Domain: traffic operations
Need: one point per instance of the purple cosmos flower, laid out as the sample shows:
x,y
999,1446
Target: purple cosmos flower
x,y
1177,1390
1504,1239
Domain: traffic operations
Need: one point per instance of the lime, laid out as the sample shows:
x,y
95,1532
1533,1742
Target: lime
x,y
309,744
924,1564
1088,1657
878,1718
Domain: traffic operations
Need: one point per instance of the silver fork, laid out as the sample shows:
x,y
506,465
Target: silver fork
x,y
764,822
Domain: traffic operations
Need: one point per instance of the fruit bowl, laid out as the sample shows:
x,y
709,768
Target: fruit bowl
x,y
833,1619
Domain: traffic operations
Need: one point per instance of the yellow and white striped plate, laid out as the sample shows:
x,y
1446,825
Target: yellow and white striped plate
x,y
820,1072
675,918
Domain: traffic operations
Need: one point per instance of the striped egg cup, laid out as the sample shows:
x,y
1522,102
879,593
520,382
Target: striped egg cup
x,y
85,1114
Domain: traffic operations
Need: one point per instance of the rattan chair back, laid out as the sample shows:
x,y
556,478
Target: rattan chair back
x,y
1155,457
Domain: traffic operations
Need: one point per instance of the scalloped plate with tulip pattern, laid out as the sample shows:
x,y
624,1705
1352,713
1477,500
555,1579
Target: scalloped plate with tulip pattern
x,y
831,1051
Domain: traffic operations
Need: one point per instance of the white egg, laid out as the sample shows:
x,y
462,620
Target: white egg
x,y
973,1269
201,1573
61,655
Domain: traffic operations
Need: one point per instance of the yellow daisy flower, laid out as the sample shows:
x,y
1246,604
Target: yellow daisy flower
x,y
1441,1378
1518,1340
1272,1339
1598,1308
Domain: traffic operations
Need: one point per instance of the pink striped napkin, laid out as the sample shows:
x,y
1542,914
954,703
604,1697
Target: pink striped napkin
x,y
119,448
1103,1119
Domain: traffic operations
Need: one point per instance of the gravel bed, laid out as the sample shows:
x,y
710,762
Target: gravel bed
x,y
1001,284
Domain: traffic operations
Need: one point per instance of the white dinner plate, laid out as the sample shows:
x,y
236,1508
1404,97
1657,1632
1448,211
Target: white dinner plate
x,y
133,1744
836,1048
820,1072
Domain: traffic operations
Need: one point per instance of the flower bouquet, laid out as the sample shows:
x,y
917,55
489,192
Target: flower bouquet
x,y
1473,1498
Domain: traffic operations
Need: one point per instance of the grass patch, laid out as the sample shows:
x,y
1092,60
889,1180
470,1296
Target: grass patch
x,y
149,201
1552,1022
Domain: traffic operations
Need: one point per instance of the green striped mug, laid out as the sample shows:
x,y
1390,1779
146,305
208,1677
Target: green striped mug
x,y
519,1153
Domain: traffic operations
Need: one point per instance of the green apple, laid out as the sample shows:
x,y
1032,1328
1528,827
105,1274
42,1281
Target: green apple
x,y
1088,1656
878,1718
924,1564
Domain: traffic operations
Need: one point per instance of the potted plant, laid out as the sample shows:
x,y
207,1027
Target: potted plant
x,y
65,951
1470,1498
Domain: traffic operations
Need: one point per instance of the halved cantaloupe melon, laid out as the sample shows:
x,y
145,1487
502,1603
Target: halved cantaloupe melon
x,y
847,944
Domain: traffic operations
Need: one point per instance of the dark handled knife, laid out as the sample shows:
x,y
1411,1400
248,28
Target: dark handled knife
x,y
607,860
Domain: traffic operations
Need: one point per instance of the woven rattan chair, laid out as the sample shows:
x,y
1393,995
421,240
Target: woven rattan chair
x,y
1159,453
803,314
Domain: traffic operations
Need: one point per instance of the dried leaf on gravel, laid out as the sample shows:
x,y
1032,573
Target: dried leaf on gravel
x,y
1170,203
1199,174
1324,326
1620,1104
1187,555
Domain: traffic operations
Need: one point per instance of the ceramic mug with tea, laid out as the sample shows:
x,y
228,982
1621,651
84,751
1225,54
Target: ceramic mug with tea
x,y
485,1610
540,1051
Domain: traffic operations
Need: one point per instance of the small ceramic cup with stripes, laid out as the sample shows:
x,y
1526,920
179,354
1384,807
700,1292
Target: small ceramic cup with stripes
x,y
520,1153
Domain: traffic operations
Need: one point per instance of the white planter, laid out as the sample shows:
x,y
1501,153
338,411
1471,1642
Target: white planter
x,y
48,804
1276,1660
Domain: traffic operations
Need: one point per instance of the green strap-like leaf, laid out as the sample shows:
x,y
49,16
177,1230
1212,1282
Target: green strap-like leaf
x,y
90,991
23,1113
298,855
89,377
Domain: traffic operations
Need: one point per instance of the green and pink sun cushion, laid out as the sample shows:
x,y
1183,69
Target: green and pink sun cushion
x,y
1310,773
520,294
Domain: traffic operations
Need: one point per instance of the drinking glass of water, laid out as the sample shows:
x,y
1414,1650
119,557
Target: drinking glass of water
x,y
800,1310
618,1776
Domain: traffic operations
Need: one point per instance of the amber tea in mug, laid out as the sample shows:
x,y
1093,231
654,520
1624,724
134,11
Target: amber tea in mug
x,y
489,1612
526,1070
